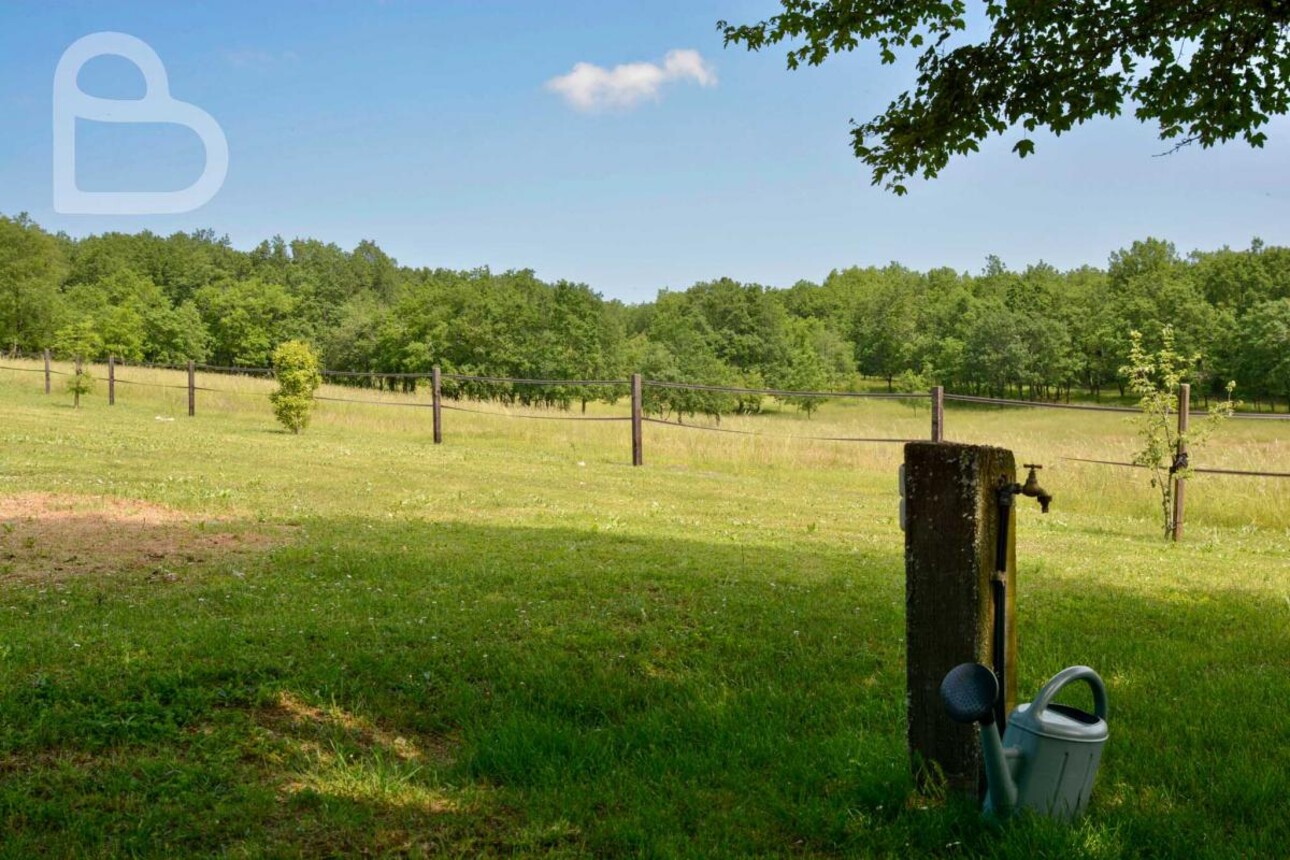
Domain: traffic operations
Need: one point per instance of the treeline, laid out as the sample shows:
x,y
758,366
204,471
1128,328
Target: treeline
x,y
1038,333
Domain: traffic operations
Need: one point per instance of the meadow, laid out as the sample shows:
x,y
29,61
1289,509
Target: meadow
x,y
220,639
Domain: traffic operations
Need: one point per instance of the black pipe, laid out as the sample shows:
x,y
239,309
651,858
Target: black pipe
x,y
1007,494
999,593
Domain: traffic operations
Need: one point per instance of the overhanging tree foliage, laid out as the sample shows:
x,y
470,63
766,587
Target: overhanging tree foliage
x,y
1205,72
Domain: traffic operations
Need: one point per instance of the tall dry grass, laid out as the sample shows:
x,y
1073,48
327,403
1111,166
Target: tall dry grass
x,y
781,440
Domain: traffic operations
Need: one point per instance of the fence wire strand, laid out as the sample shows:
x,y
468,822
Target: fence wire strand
x,y
1124,410
253,372
236,392
121,381
781,392
516,380
373,374
145,366
775,435
535,417
1043,404
1197,469
373,402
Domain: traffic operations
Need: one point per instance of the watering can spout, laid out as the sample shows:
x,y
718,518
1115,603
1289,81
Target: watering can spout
x,y
999,766
970,691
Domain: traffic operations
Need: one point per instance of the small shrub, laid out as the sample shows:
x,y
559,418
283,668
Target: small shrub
x,y
79,341
1155,377
295,365
79,384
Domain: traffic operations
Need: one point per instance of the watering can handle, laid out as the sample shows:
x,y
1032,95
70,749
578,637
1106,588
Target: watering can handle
x,y
1064,677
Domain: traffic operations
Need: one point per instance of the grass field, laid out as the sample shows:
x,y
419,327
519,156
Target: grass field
x,y
217,639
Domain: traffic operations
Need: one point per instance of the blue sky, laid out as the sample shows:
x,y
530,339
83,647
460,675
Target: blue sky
x,y
430,128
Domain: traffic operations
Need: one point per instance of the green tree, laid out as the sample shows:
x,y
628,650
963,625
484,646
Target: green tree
x,y
32,265
174,334
886,318
996,357
1204,72
1265,333
746,323
806,368
295,365
247,319
676,349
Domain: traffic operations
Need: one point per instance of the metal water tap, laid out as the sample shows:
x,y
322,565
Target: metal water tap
x,y
1031,488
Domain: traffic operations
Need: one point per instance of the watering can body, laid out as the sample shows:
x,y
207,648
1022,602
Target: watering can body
x,y
1048,759
1051,752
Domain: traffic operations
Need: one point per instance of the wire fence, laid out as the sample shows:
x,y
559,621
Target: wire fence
x,y
797,436
1044,404
1196,469
371,402
516,380
452,408
1090,407
636,385
783,392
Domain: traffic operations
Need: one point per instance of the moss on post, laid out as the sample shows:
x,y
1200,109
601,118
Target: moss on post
x,y
950,545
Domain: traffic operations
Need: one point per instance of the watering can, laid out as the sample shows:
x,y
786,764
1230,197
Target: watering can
x,y
1048,758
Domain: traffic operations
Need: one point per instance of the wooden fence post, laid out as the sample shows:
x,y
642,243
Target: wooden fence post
x,y
192,389
76,389
1180,484
938,414
951,540
435,393
46,371
638,442
111,380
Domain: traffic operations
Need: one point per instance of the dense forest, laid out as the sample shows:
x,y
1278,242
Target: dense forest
x,y
1034,333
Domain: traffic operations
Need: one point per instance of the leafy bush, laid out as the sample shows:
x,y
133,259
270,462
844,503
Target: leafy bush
x,y
295,365
81,342
80,383
1155,377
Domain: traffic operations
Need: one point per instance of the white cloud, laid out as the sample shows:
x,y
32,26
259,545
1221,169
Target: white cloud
x,y
589,87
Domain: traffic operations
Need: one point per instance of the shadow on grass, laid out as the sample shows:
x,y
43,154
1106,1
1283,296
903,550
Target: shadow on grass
x,y
413,688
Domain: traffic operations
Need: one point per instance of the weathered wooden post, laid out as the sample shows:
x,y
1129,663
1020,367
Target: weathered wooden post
x,y
435,394
192,389
938,414
47,386
111,380
76,389
1180,460
638,447
951,538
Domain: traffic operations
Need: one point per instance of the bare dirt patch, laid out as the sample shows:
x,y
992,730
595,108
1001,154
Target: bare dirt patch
x,y
50,537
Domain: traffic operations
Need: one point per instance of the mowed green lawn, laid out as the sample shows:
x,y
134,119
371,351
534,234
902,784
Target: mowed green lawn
x,y
217,639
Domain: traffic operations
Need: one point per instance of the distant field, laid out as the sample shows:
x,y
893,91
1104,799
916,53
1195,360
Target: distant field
x,y
222,640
